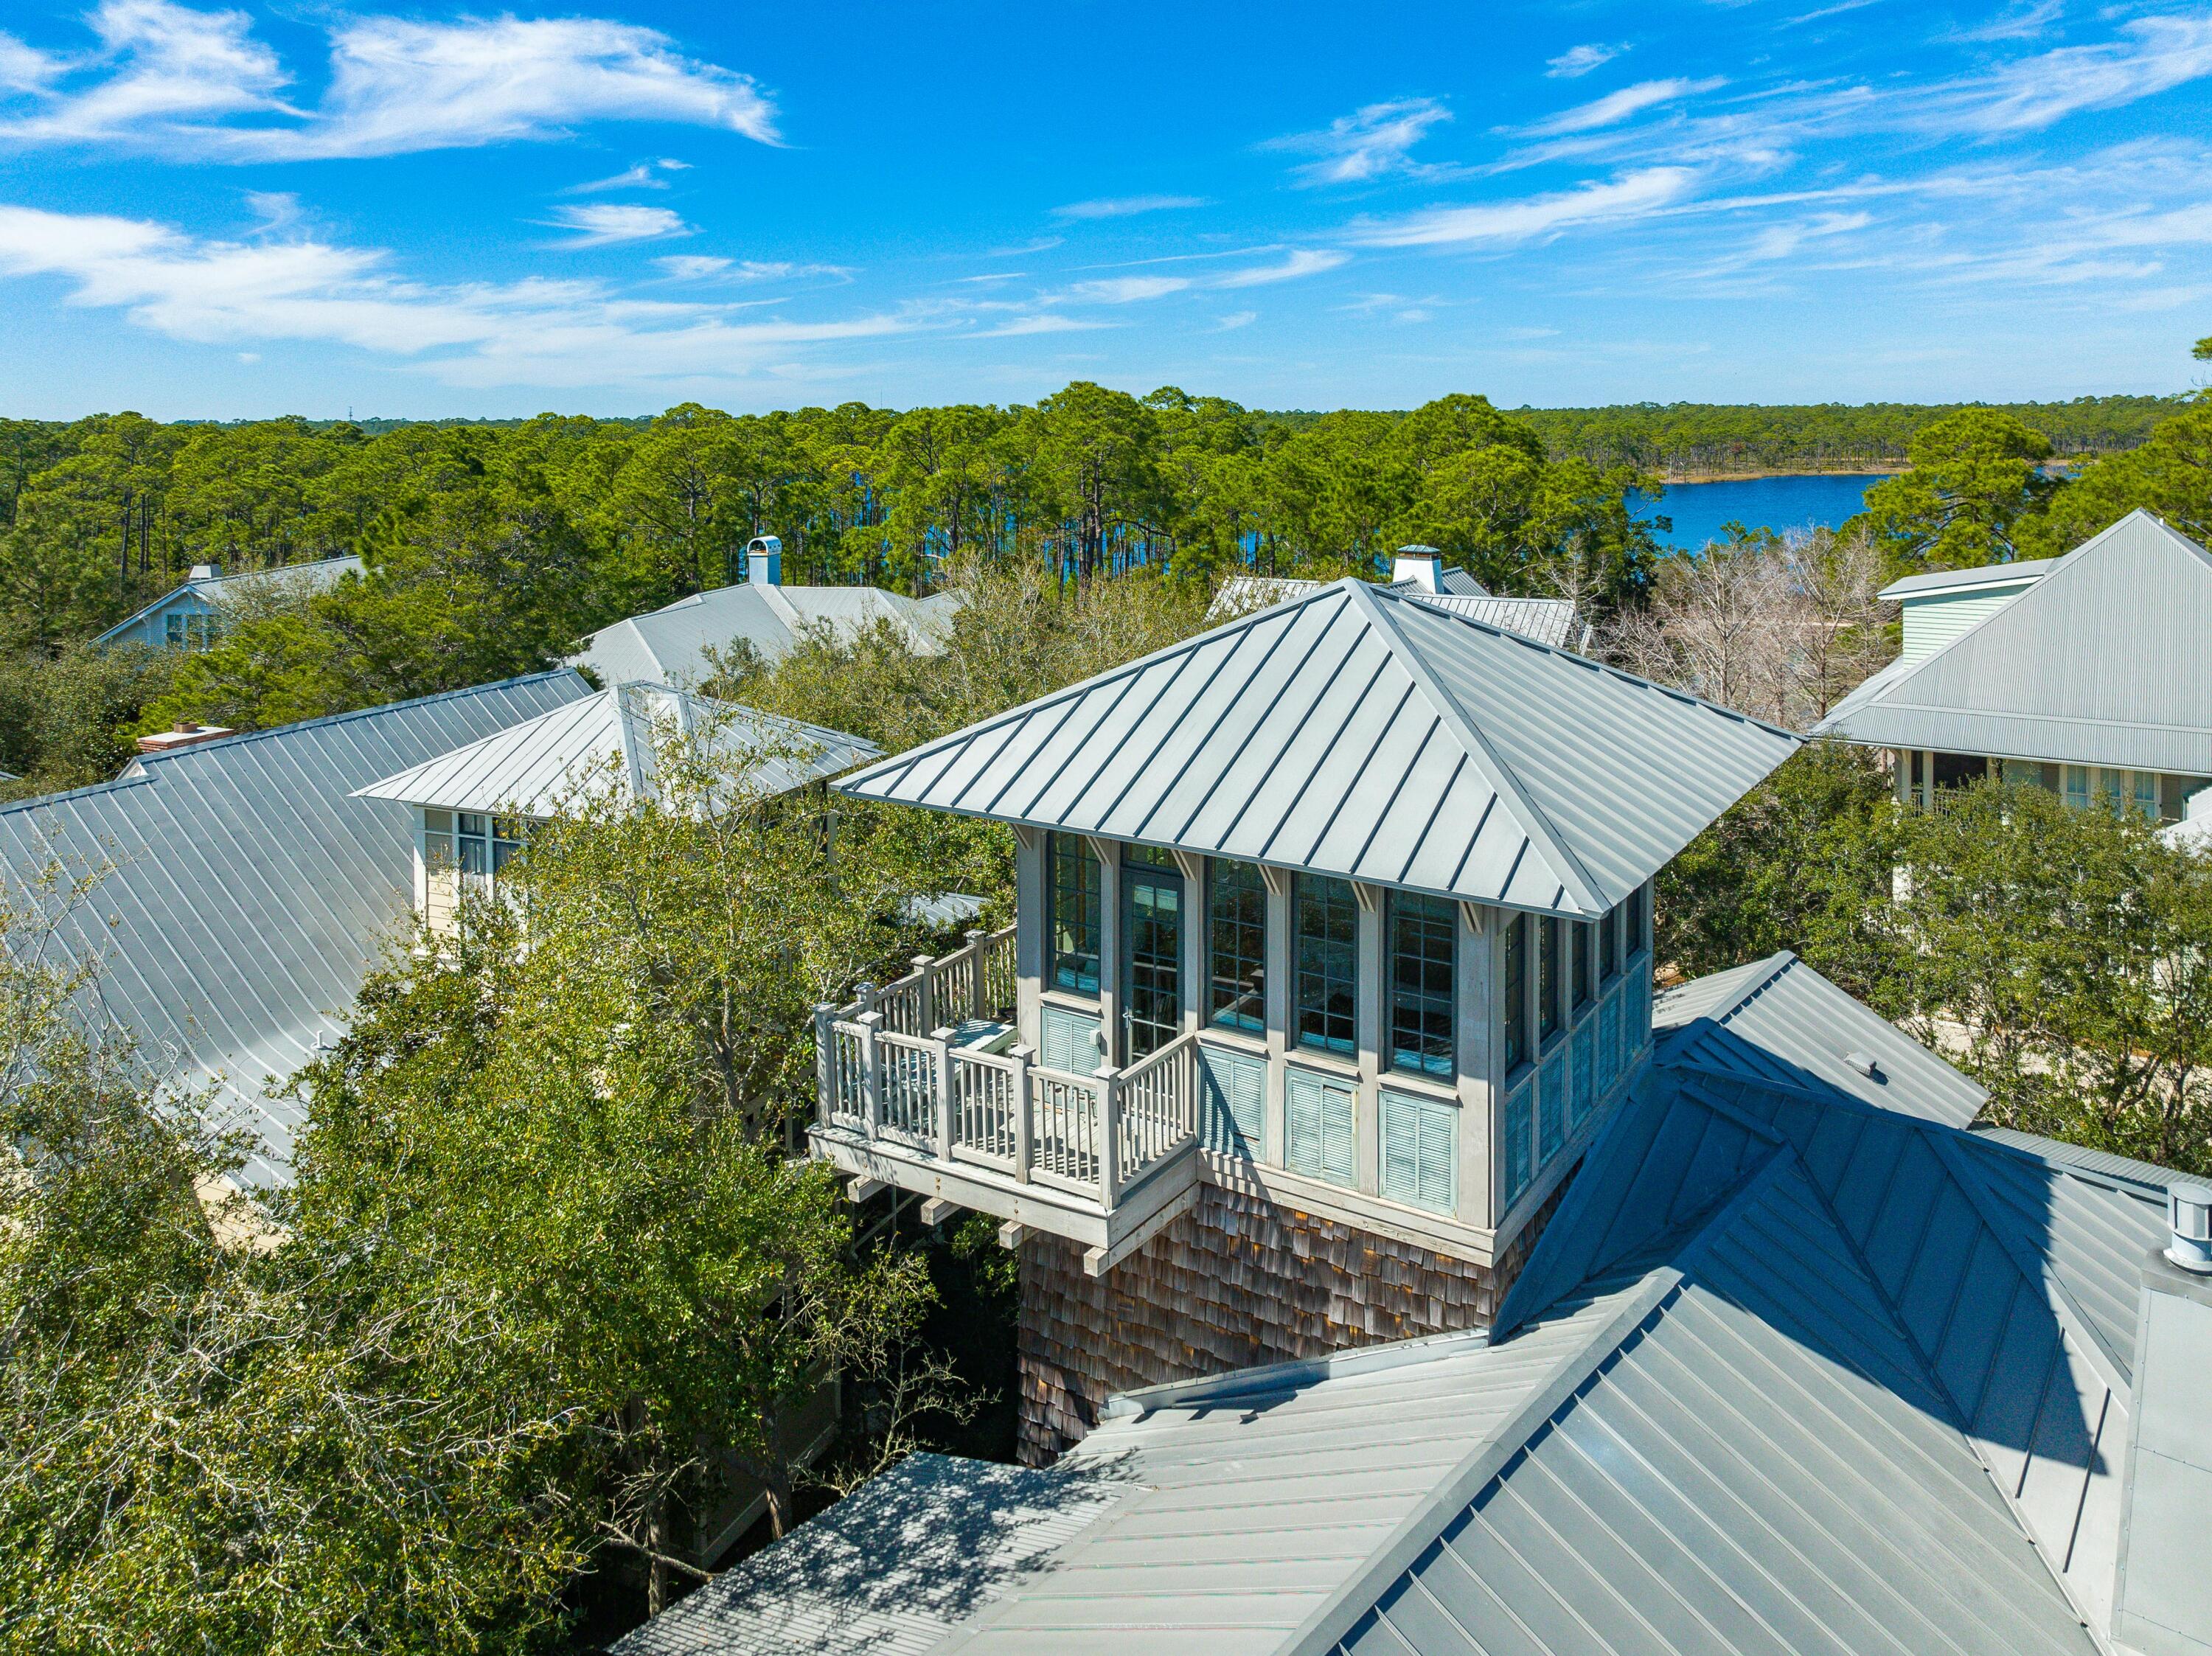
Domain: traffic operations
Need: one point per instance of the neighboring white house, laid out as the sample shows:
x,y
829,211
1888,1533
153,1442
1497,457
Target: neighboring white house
x,y
669,645
2090,675
474,806
194,614
1418,572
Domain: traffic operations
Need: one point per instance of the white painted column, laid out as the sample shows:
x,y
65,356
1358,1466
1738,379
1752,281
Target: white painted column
x,y
1032,943
1111,944
1480,1031
1196,965
1371,1028
1279,988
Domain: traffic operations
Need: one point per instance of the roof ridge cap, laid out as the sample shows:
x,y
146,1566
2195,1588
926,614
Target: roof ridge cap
x,y
1504,780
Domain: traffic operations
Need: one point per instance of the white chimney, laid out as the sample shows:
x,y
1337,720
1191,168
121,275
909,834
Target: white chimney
x,y
1424,566
205,572
764,560
2189,1214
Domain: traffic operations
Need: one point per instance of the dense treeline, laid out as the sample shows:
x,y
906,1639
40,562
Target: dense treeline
x,y
1696,438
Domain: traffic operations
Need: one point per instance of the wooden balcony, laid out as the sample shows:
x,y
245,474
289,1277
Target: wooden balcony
x,y
949,1107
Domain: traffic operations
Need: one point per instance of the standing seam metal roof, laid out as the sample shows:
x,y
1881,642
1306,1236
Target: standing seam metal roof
x,y
247,891
1360,733
220,589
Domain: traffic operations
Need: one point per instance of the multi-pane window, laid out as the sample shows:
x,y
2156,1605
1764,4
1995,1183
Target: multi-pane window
x,y
1328,963
2146,794
1582,972
485,845
1071,894
1634,942
2077,788
1152,945
1237,945
1608,945
1424,958
1548,978
1516,992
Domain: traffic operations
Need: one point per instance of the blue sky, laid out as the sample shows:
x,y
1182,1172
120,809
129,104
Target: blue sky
x,y
208,211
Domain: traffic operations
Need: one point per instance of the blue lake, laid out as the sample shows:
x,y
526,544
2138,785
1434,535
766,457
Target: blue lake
x,y
1781,504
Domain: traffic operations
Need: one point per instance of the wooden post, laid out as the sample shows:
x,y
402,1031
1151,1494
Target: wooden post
x,y
825,1061
871,1073
976,1009
1109,1131
1025,1125
925,1014
940,1042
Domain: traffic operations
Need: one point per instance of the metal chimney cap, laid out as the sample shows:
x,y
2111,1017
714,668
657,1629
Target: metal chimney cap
x,y
1865,1064
2189,1211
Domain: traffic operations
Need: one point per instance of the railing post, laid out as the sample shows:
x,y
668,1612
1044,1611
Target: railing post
x,y
977,1006
1025,1126
940,1057
871,1073
1109,1137
825,1061
925,995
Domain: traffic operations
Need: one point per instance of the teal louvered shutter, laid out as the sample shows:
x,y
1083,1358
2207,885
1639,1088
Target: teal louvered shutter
x,y
1520,1141
1302,1123
1552,1106
1421,1145
1585,1071
1068,1040
1336,1135
1235,1096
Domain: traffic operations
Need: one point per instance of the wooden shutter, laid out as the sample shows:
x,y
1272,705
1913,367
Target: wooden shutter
x,y
1585,1083
1421,1142
1552,1106
1520,1141
1069,1041
1236,1098
1317,1121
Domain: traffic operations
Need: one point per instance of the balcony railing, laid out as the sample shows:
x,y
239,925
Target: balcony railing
x,y
973,983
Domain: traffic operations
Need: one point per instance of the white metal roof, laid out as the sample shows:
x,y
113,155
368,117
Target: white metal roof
x,y
610,743
669,645
1555,622
1359,732
2024,571
2106,660
222,590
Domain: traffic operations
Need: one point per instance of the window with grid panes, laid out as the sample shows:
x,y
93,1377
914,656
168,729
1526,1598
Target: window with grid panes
x,y
1328,936
1516,993
1424,960
1072,896
1237,945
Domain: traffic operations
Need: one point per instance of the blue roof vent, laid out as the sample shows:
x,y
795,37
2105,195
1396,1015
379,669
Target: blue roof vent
x,y
2190,1209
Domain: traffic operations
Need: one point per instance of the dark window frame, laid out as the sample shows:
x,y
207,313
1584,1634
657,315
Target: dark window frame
x,y
1548,979
1424,1018
1516,992
1236,999
1325,1009
1088,889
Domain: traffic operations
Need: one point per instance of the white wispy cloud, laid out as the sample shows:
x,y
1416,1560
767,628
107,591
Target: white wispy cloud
x,y
609,224
173,79
2024,22
1126,290
1617,106
1369,143
645,175
1236,320
1042,322
2153,55
1580,60
534,332
1633,195
1301,262
1119,206
705,267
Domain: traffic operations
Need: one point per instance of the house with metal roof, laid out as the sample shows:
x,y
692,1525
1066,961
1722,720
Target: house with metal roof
x,y
1331,955
2090,675
671,644
474,807
1802,1363
1420,572
193,616
244,887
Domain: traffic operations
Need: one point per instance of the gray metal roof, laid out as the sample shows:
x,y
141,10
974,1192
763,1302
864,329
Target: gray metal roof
x,y
669,645
1787,1372
1358,732
225,591
1778,1020
2024,571
2106,661
247,889
609,744
1555,622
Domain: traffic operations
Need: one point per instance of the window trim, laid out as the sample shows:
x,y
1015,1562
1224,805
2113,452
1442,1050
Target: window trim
x,y
1090,888
1514,995
1423,1000
1327,1042
1221,1014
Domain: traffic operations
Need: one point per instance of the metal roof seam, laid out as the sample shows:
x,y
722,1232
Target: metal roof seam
x,y
1260,786
1359,774
1167,791
1106,760
1565,866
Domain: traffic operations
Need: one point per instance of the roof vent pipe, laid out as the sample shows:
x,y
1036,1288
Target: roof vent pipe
x,y
1424,566
764,560
2189,1209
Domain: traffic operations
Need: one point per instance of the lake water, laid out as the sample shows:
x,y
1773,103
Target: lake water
x,y
1781,504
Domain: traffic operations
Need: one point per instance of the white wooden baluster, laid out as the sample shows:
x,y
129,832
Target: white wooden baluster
x,y
871,1073
825,1061
925,995
1024,1127
1109,1124
940,1058
978,1003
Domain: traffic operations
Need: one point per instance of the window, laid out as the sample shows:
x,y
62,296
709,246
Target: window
x,y
1149,857
1237,945
1548,979
1608,946
1424,959
1582,972
2146,794
1072,896
1516,993
1520,1136
2077,788
1632,945
486,844
176,630
2115,784
1329,964
1151,956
